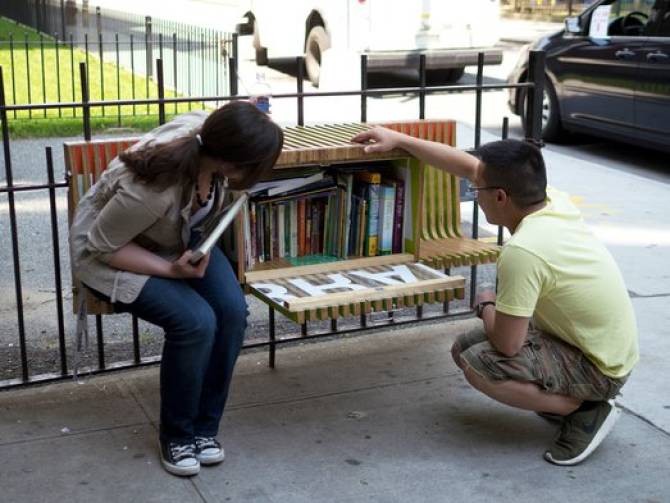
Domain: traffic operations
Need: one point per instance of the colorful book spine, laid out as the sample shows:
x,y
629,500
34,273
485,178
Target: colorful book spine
x,y
372,222
398,216
294,228
308,227
361,227
386,213
301,227
280,231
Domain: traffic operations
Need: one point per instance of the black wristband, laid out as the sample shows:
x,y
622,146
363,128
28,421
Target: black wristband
x,y
479,308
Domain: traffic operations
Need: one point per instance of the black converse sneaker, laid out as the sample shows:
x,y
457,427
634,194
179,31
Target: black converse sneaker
x,y
179,458
208,450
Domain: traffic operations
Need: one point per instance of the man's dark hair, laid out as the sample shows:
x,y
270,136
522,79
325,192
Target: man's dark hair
x,y
517,167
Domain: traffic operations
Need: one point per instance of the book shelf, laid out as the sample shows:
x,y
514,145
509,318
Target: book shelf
x,y
431,233
356,284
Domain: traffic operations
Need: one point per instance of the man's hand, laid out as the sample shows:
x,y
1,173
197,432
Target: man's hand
x,y
181,267
383,139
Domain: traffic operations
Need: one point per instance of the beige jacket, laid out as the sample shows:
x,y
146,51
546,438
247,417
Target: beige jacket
x,y
119,209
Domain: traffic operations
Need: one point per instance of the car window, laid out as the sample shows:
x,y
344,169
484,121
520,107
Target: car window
x,y
629,18
660,17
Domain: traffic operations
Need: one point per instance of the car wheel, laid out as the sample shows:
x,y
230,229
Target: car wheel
x,y
317,42
551,116
261,52
442,76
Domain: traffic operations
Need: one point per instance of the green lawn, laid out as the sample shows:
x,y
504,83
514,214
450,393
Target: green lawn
x,y
59,59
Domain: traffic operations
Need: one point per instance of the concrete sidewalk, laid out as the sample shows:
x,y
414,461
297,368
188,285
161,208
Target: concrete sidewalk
x,y
384,416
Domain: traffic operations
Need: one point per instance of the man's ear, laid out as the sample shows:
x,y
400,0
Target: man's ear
x,y
501,196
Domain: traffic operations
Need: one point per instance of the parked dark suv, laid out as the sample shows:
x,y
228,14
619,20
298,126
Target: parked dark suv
x,y
616,84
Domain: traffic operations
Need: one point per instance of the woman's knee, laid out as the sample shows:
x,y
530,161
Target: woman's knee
x,y
232,313
197,324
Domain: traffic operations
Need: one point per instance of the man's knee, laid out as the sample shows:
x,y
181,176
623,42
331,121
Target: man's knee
x,y
456,354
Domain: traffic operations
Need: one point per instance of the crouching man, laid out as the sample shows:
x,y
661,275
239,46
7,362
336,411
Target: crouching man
x,y
560,336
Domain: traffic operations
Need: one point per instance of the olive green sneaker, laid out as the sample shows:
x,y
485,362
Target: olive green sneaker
x,y
582,432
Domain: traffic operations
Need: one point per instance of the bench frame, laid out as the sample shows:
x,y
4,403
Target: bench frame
x,y
438,239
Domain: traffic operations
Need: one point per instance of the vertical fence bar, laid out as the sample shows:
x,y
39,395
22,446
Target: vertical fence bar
x,y
11,57
161,92
478,136
535,94
202,67
98,20
300,63
74,110
58,93
100,342
160,46
445,305
188,73
234,64
44,80
422,86
217,61
118,79
87,58
136,341
364,87
86,108
132,70
9,177
30,98
174,66
148,59
102,70
62,18
148,38
272,345
55,242
505,134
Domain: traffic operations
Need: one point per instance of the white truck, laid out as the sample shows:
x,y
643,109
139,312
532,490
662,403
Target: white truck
x,y
393,33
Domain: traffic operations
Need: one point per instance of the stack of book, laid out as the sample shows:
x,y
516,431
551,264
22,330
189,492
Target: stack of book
x,y
324,217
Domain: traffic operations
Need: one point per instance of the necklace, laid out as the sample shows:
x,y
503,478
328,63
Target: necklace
x,y
210,194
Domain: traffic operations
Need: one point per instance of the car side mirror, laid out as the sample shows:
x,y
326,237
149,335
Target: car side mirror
x,y
572,25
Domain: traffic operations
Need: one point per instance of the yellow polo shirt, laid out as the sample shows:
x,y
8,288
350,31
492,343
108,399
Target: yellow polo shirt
x,y
554,270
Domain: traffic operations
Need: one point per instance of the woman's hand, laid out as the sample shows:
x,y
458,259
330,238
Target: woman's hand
x,y
183,269
384,139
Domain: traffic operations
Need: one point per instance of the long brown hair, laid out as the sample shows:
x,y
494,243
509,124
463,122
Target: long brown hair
x,y
237,132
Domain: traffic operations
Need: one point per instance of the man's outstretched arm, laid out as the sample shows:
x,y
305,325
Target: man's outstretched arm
x,y
439,155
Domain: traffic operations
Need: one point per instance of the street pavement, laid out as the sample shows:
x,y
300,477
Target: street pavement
x,y
384,416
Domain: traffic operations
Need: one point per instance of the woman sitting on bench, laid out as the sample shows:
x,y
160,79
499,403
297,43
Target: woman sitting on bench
x,y
131,237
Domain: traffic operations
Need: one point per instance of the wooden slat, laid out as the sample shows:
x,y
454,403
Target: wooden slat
x,y
368,295
253,277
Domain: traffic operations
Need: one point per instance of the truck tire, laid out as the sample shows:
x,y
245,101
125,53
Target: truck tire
x,y
316,44
442,76
261,52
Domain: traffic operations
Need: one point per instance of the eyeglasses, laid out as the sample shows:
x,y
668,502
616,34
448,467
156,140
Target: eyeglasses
x,y
475,190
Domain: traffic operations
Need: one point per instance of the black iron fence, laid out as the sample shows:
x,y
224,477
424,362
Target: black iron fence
x,y
47,242
119,51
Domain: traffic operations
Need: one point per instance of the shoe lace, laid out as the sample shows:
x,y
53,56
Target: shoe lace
x,y
206,443
181,451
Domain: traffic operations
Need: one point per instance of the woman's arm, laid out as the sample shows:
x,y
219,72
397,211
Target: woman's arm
x,y
132,257
439,155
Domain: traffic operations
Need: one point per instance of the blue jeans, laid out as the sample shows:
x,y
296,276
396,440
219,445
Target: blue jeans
x,y
204,322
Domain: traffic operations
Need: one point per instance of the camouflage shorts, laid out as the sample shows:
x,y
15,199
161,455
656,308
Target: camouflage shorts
x,y
547,361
